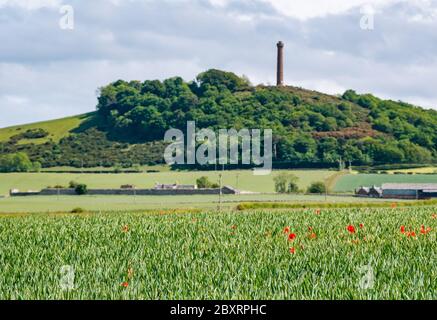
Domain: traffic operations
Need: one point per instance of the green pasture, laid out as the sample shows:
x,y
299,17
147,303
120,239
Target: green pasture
x,y
350,182
243,180
128,203
58,128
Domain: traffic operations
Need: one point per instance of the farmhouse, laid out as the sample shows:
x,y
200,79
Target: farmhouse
x,y
362,192
372,192
375,192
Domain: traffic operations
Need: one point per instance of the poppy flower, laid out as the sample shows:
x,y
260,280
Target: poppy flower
x,y
402,229
318,211
411,234
424,230
351,229
125,229
291,236
310,229
287,230
292,250
125,284
313,236
361,225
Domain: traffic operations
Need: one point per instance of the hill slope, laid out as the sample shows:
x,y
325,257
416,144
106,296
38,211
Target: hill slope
x,y
56,129
310,128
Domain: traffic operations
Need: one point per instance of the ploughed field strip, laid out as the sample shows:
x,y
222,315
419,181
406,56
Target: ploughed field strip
x,y
367,253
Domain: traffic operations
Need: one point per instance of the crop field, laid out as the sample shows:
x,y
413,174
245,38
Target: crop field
x,y
350,182
293,254
244,179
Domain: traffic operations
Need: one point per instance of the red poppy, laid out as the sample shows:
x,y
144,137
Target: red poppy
x,y
291,236
318,211
351,229
402,229
125,228
310,229
292,250
313,236
424,230
411,234
287,230
361,226
125,284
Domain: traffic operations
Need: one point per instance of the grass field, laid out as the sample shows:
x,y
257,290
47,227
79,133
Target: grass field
x,y
244,180
416,170
58,128
123,203
350,182
221,256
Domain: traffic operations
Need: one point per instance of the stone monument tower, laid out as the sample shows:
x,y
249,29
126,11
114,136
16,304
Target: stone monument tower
x,y
280,67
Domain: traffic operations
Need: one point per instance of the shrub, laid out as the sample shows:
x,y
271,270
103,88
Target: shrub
x,y
77,210
81,189
72,184
317,188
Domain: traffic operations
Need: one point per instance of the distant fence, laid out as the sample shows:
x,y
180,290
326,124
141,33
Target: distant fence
x,y
126,192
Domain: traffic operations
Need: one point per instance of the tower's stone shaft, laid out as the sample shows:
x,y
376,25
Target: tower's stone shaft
x,y
280,67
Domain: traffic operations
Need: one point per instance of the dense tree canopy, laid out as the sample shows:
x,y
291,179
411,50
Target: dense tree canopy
x,y
308,127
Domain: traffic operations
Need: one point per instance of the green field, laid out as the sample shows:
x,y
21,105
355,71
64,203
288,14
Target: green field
x,y
350,182
244,180
123,203
58,128
220,256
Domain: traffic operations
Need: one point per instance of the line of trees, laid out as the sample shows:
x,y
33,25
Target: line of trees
x,y
288,183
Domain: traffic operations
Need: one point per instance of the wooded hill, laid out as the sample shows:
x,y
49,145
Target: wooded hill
x,y
310,129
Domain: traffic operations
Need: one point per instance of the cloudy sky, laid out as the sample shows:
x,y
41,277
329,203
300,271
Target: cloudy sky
x,y
48,72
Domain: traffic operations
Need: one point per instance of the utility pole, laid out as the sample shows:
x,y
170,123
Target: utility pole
x,y
326,189
220,193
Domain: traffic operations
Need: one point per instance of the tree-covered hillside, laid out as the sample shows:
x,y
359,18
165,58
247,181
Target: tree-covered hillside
x,y
310,128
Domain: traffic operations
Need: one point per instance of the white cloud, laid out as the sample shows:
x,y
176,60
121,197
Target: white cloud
x,y
30,4
47,73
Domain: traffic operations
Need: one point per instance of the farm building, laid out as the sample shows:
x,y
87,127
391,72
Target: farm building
x,y
373,192
400,191
362,192
159,186
409,191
